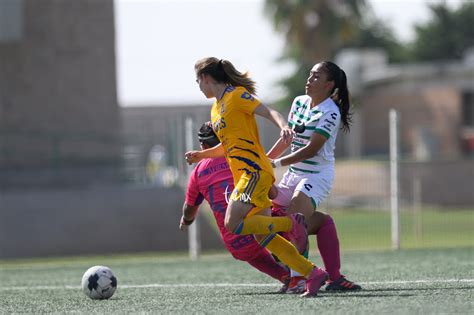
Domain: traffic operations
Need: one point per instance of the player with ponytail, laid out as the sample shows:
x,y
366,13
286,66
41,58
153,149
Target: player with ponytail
x,y
317,117
248,211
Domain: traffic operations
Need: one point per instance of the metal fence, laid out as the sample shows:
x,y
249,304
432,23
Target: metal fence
x,y
436,199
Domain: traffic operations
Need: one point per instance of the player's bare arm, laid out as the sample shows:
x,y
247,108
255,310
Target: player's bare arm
x,y
189,214
315,144
278,149
275,117
196,156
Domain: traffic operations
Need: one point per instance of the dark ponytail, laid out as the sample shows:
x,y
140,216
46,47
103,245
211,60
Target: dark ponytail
x,y
223,71
340,92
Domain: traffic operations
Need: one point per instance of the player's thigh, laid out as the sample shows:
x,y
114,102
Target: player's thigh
x,y
301,203
260,211
236,211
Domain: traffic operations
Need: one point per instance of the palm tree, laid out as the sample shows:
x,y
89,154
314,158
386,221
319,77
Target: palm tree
x,y
315,30
318,27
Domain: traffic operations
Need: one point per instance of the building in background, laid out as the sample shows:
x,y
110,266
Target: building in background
x,y
61,185
436,128
58,98
435,101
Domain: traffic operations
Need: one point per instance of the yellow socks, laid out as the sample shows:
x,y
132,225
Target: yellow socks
x,y
280,247
287,253
260,224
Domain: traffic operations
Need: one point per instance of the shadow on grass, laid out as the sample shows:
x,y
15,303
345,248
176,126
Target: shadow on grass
x,y
328,294
378,292
366,292
407,289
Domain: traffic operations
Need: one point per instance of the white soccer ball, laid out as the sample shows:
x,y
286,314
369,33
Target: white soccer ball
x,y
99,282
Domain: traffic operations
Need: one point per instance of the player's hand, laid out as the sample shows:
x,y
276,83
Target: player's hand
x,y
287,134
273,192
183,223
275,163
272,162
192,157
182,226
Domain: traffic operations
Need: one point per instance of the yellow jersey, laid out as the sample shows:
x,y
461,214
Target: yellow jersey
x,y
233,121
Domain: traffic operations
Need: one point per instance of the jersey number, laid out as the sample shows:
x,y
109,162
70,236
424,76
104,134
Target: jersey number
x,y
247,96
217,206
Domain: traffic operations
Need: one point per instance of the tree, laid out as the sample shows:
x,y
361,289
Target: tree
x,y
316,30
447,35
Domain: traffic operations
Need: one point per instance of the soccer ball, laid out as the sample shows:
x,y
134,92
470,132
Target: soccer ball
x,y
99,283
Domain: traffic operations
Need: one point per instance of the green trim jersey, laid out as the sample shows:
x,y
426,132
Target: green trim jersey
x,y
324,119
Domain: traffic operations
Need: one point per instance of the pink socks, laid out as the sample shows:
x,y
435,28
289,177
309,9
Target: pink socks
x,y
328,245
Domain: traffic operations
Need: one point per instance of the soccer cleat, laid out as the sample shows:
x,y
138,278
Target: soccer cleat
x,y
342,284
316,279
297,285
286,283
298,234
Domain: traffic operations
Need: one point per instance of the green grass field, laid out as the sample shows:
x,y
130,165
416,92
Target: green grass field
x,y
371,230
432,228
415,281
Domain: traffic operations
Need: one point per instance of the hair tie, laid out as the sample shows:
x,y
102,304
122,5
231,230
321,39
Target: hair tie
x,y
335,96
220,64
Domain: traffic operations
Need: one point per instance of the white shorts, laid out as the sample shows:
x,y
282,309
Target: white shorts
x,y
315,186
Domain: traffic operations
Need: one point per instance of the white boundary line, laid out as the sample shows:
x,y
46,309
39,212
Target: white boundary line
x,y
210,285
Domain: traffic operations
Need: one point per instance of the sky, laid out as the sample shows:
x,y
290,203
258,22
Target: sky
x,y
158,42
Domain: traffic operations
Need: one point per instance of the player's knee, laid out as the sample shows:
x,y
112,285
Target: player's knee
x,y
321,220
229,225
328,219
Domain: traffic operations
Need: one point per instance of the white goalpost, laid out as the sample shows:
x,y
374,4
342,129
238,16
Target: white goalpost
x,y
394,207
194,237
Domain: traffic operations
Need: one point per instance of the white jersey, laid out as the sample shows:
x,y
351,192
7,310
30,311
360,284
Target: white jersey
x,y
324,119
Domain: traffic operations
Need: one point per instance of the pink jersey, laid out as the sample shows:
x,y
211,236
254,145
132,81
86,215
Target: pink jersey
x,y
212,180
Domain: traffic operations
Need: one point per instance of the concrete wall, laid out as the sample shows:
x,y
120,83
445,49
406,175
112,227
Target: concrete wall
x,y
425,112
443,183
430,98
98,221
58,99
